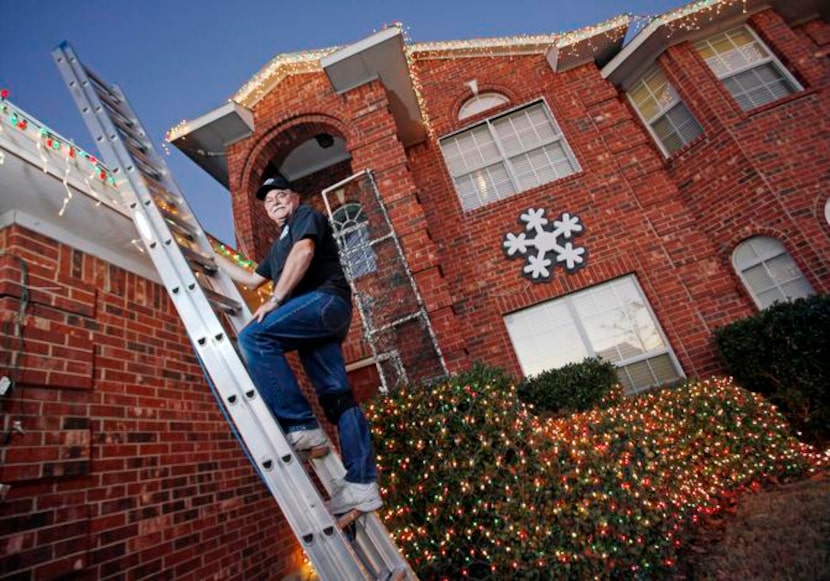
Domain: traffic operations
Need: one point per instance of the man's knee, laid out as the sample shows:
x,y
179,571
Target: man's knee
x,y
335,404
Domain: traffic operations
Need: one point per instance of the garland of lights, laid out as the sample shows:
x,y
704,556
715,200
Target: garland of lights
x,y
689,17
51,142
54,143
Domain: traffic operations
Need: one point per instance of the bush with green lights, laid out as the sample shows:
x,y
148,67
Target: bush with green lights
x,y
478,486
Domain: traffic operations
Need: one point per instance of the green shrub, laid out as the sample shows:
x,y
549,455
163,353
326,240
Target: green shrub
x,y
483,374
576,387
478,487
783,352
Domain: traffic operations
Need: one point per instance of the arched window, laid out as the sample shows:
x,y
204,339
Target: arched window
x,y
351,231
769,272
479,103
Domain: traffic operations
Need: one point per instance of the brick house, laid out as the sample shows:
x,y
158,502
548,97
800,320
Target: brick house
x,y
694,159
684,177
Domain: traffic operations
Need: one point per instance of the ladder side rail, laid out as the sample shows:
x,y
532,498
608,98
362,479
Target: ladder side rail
x,y
279,466
192,307
106,137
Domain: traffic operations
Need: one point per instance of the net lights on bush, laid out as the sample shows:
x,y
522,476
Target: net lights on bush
x,y
477,485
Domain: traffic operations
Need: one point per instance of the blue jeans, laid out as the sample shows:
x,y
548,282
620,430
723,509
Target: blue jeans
x,y
314,325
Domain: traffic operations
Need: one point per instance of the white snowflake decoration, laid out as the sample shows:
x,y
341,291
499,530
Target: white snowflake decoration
x,y
548,237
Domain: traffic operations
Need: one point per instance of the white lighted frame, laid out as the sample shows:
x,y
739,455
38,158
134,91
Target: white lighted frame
x,y
612,319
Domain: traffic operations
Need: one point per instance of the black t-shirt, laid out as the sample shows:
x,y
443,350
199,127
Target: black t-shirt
x,y
324,274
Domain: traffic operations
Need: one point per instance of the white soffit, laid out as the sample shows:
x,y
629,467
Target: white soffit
x,y
380,56
70,206
205,138
594,44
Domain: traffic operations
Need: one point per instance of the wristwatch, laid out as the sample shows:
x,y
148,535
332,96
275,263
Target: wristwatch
x,y
275,300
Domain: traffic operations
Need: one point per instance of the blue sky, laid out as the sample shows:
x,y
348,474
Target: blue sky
x,y
178,59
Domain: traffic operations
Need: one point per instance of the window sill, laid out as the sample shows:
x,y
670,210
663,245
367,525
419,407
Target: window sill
x,y
777,103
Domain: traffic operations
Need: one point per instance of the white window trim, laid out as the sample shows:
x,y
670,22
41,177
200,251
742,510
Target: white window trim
x,y
666,350
762,260
464,112
770,58
511,172
656,138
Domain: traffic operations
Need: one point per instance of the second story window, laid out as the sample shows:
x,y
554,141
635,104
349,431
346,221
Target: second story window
x,y
660,107
749,71
507,154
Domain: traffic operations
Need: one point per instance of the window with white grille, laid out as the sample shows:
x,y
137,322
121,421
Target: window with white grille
x,y
350,228
507,154
769,272
612,320
749,71
670,121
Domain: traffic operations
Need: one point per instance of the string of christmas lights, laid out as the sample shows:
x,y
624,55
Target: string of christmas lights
x,y
49,142
692,16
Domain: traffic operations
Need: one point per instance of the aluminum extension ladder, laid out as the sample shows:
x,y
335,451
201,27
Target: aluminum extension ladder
x,y
183,256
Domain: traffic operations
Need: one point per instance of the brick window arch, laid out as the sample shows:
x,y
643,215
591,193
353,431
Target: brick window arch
x,y
769,272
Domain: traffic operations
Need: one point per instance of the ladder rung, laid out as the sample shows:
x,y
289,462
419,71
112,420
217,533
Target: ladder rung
x,y
117,117
397,322
157,189
127,129
345,520
396,574
205,262
222,302
104,91
178,224
148,168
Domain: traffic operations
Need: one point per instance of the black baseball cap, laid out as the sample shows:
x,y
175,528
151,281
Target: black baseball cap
x,y
274,183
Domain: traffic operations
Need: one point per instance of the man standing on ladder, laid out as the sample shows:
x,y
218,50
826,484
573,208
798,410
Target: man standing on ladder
x,y
310,312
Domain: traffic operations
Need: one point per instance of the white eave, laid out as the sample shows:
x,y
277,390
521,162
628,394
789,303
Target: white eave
x,y
62,197
205,138
597,44
380,56
693,22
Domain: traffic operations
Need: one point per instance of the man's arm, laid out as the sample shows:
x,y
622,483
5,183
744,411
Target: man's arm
x,y
295,268
249,278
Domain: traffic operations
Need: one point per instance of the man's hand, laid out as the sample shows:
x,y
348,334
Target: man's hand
x,y
263,310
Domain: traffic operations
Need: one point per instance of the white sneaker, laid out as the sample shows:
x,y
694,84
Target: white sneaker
x,y
354,496
312,442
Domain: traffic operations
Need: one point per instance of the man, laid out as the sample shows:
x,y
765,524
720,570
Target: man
x,y
309,311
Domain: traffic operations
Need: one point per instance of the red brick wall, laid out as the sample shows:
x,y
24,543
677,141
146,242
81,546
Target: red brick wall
x,y
635,222
127,466
771,174
305,105
672,223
